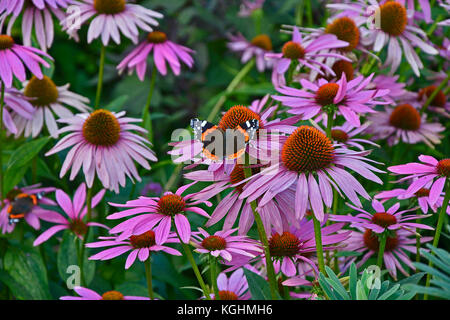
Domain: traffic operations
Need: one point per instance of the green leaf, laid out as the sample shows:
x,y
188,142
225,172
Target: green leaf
x,y
360,292
353,280
389,293
117,104
67,256
258,286
27,274
348,254
333,280
20,160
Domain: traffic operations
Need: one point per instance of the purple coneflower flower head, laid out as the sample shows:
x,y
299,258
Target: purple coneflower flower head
x,y
256,48
35,14
294,250
394,28
141,247
104,144
25,203
248,7
160,212
88,294
314,166
422,196
439,104
383,220
259,148
306,53
164,51
349,99
233,288
276,213
16,59
431,174
396,89
75,211
404,123
398,245
49,100
223,244
15,103
111,18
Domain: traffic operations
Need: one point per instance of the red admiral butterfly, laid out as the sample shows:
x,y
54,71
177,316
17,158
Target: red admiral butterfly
x,y
21,205
219,144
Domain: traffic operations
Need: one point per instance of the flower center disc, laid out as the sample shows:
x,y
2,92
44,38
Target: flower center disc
x,y
393,18
307,150
101,128
213,243
6,42
405,117
112,295
171,204
326,94
78,227
236,116
42,91
438,100
384,219
342,66
238,174
423,192
109,6
372,242
144,240
284,245
157,37
293,50
443,167
227,295
345,29
262,41
339,135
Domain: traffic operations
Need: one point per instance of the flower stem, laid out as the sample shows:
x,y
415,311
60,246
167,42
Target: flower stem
x,y
263,237
435,92
319,247
381,248
299,13
100,77
2,101
330,122
148,275
233,84
191,259
213,271
437,234
146,118
83,242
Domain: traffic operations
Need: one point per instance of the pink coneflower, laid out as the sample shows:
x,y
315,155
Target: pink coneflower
x,y
103,142
306,52
37,14
398,244
48,99
346,135
75,211
313,165
394,27
257,48
439,104
404,123
348,99
259,148
25,203
163,211
141,246
16,59
422,196
233,288
15,103
112,17
382,220
223,244
164,51
276,213
248,7
426,173
396,89
88,294
295,248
